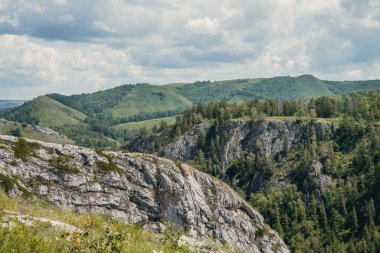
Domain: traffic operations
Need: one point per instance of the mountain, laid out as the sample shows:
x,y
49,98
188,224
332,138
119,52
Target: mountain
x,y
316,180
136,189
105,116
285,87
7,104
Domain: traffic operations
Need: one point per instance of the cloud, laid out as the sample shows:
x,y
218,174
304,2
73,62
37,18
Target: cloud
x,y
81,46
202,25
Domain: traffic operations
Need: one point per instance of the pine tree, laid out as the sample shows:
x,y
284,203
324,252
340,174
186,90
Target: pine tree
x,y
323,216
354,220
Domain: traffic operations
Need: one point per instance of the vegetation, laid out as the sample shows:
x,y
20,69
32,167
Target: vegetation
x,y
62,163
284,87
101,119
99,233
24,149
30,132
335,211
110,166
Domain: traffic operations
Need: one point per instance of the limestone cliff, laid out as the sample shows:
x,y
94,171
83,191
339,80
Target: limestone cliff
x,y
134,188
235,137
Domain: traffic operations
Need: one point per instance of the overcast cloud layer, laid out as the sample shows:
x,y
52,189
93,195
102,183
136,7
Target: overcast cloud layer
x,y
84,45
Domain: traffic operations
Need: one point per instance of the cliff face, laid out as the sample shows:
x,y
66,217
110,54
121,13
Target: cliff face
x,y
134,188
235,137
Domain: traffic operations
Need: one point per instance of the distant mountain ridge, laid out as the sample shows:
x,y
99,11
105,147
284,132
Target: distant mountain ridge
x,y
6,104
100,111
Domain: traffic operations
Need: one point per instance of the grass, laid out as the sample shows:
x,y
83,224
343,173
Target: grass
x,y
23,149
52,113
134,127
150,99
110,166
31,133
100,234
62,163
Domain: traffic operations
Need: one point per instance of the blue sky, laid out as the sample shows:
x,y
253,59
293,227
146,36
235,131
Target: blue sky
x,y
84,45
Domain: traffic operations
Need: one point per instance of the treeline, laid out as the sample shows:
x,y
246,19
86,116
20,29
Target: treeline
x,y
358,105
23,114
334,208
93,103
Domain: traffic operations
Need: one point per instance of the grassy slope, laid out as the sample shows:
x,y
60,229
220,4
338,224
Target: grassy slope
x,y
101,233
221,90
144,99
30,133
52,113
133,127
286,87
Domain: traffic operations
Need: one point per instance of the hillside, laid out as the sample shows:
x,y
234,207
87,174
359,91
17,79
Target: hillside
x,y
45,111
32,132
316,181
286,87
106,114
135,189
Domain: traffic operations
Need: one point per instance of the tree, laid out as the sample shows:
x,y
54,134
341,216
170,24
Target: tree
x,y
143,131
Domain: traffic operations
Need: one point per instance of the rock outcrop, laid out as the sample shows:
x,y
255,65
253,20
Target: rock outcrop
x,y
235,137
135,188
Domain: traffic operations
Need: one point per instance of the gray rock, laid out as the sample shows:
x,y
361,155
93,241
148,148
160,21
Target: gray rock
x,y
235,137
143,189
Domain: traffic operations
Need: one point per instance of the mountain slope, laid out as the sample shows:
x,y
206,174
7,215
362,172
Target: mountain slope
x,y
285,87
136,189
47,112
149,99
32,132
103,113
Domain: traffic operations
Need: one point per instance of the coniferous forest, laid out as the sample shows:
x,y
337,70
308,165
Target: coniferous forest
x,y
311,215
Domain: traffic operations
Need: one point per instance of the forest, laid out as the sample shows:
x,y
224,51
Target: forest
x,y
310,217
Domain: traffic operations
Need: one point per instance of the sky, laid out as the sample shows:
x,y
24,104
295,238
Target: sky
x,y
81,46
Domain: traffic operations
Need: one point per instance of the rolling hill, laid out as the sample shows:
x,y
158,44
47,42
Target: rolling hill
x,y
113,113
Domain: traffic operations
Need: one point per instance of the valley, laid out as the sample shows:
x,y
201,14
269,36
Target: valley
x,y
181,159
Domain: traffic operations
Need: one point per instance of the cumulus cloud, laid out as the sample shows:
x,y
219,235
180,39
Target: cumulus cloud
x,y
78,46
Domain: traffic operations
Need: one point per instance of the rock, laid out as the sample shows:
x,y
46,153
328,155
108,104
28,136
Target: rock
x,y
138,188
236,136
9,219
316,181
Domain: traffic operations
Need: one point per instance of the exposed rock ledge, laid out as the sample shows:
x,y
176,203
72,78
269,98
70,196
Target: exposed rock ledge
x,y
139,189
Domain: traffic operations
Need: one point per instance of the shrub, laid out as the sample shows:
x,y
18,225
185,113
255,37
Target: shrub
x,y
23,149
109,167
61,163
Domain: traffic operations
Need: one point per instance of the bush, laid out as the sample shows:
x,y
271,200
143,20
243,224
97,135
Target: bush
x,y
23,149
61,163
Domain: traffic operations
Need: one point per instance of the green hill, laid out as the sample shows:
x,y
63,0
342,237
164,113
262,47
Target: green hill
x,y
284,87
106,115
46,112
146,99
134,127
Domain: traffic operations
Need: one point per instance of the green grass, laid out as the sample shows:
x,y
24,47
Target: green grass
x,y
23,149
52,113
100,234
150,99
30,133
133,127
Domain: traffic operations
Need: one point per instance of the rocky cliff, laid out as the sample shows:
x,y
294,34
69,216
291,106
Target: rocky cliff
x,y
134,188
234,137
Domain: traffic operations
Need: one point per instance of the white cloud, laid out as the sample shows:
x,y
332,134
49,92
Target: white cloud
x,y
97,24
202,25
80,46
